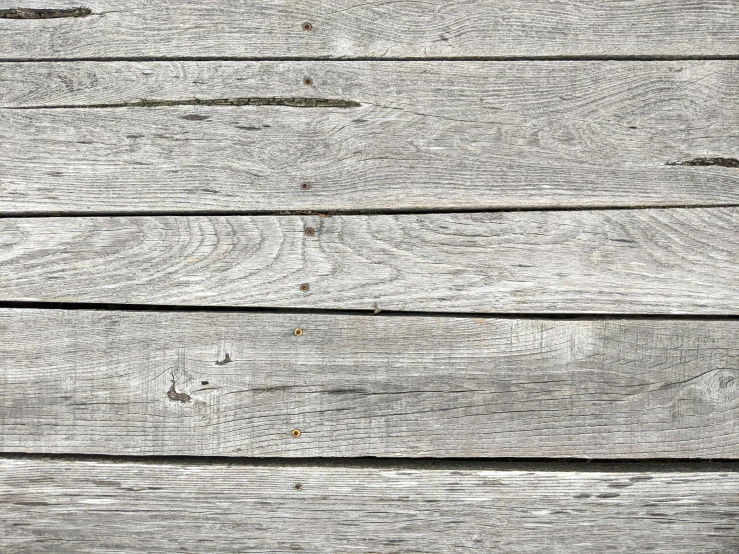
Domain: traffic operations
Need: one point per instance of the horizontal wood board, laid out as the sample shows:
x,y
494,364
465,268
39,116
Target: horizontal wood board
x,y
681,261
239,384
68,506
412,136
375,29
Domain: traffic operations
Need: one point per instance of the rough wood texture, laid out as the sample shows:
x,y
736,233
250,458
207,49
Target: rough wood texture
x,y
374,29
69,506
424,135
238,384
621,261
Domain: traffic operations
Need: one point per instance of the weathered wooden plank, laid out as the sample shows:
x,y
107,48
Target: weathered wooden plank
x,y
238,384
421,135
604,261
92,506
375,29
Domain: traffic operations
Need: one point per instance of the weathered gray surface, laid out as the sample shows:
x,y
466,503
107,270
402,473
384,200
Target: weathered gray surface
x,y
101,382
68,506
619,261
376,29
422,135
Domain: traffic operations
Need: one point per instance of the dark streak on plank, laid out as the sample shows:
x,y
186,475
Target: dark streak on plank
x,y
35,13
705,162
296,102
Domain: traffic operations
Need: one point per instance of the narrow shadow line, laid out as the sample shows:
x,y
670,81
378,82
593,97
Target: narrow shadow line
x,y
90,306
563,58
652,465
333,212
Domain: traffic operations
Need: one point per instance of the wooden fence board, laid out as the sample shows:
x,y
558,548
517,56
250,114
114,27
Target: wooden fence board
x,y
412,135
102,382
75,506
375,29
680,261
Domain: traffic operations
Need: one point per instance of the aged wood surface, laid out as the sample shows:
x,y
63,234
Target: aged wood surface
x,y
238,384
604,261
76,506
413,135
374,29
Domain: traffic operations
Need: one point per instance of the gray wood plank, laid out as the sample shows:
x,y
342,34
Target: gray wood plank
x,y
605,261
81,506
239,384
374,29
424,135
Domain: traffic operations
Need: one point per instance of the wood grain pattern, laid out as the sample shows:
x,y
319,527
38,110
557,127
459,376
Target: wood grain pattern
x,y
426,135
621,261
68,506
238,384
374,29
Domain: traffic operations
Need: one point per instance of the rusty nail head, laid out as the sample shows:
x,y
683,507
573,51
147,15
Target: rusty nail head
x,y
305,287
297,486
298,332
295,433
307,26
307,81
305,186
309,232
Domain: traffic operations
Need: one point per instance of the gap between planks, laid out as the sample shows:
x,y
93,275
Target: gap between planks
x,y
331,213
111,307
575,465
512,59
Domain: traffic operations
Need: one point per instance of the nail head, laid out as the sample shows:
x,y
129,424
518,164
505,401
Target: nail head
x,y
305,186
307,27
298,332
305,287
310,232
308,81
295,433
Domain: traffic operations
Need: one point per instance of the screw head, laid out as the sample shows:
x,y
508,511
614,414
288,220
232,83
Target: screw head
x,y
307,27
305,287
309,232
298,332
296,433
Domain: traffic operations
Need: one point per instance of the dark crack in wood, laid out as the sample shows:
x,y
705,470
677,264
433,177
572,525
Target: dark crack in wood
x,y
703,162
292,102
34,13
